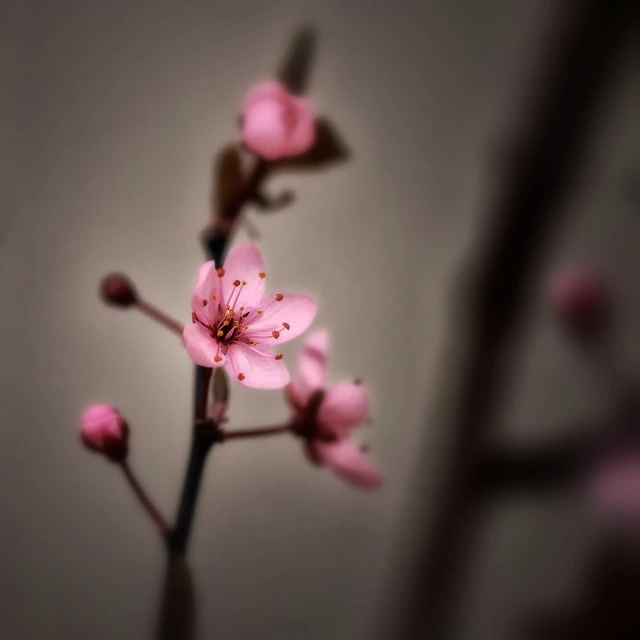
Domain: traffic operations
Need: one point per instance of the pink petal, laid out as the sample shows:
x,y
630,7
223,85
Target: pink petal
x,y
615,485
102,428
206,285
297,310
345,405
256,367
303,135
349,463
202,348
264,131
269,89
312,367
244,264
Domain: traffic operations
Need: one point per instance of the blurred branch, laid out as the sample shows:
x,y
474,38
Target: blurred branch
x,y
145,501
539,469
546,156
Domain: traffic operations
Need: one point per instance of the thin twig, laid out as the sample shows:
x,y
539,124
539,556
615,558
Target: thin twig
x,y
144,499
253,433
160,317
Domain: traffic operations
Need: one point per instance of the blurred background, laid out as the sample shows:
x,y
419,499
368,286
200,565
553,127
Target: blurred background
x,y
110,116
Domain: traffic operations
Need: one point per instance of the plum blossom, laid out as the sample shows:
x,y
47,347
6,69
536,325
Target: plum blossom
x,y
324,417
275,123
614,485
104,430
581,300
234,324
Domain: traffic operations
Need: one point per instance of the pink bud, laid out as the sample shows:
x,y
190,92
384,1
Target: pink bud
x,y
276,124
581,300
104,430
116,289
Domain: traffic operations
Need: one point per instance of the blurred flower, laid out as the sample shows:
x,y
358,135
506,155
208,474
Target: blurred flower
x,y
326,417
234,324
615,485
104,430
581,300
275,123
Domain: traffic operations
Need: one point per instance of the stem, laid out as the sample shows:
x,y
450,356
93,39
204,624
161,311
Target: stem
x,y
160,317
547,154
253,433
200,447
145,500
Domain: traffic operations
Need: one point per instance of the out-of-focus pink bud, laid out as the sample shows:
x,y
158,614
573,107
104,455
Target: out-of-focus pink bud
x,y
581,300
276,124
104,430
116,289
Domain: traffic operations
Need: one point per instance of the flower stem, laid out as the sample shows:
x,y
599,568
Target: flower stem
x,y
254,433
144,500
160,317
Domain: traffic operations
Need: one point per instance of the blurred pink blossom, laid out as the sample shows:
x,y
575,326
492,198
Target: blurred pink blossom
x,y
275,123
234,324
326,417
104,430
615,484
581,299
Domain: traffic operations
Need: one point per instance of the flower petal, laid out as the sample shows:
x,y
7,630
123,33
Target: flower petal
x,y
202,348
244,264
206,285
312,367
349,463
615,485
267,89
297,310
256,367
345,405
263,129
303,135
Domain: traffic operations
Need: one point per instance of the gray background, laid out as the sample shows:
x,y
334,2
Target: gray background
x,y
110,115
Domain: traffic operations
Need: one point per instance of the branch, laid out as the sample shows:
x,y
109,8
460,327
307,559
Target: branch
x,y
545,160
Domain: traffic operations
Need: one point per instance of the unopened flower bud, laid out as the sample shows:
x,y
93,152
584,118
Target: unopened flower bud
x,y
104,430
581,300
116,289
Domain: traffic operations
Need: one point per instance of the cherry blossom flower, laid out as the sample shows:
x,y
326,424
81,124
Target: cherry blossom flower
x,y
615,485
581,300
234,324
275,123
104,430
324,417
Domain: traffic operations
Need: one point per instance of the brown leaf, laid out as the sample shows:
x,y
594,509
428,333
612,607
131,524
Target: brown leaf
x,y
228,181
220,385
329,148
295,69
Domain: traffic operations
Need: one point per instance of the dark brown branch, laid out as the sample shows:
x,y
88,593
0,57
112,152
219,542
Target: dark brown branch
x,y
544,162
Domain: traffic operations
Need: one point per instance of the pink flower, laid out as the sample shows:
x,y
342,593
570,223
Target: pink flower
x,y
326,417
235,323
581,300
275,123
104,430
615,485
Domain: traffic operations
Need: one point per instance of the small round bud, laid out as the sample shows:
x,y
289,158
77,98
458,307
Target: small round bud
x,y
104,430
116,289
581,300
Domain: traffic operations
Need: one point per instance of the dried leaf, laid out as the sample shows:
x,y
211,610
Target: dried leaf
x,y
329,148
228,181
220,385
295,70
